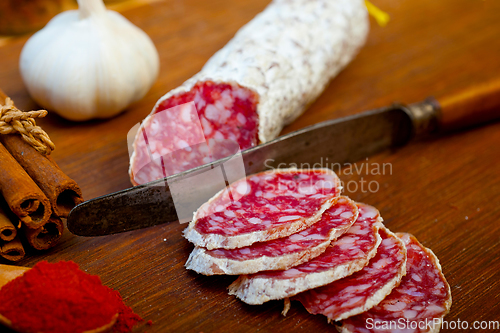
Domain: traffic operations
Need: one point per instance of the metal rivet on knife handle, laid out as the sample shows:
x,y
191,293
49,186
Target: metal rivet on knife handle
x,y
424,116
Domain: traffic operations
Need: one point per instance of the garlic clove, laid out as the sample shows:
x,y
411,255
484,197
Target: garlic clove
x,y
89,63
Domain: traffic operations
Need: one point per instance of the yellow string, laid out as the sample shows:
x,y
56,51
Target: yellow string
x,y
379,15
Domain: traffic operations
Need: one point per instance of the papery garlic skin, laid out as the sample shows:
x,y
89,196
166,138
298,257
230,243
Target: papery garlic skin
x,y
89,63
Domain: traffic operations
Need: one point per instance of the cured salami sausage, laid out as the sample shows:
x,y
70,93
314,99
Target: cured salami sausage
x,y
364,289
263,207
348,254
264,78
418,304
281,253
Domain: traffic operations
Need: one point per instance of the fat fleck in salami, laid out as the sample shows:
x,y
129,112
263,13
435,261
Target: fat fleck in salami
x,y
364,289
263,207
263,79
281,253
423,297
348,254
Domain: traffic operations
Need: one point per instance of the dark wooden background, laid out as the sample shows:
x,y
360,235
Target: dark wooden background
x,y
443,190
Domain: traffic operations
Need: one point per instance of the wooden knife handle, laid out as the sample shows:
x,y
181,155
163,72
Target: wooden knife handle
x,y
470,107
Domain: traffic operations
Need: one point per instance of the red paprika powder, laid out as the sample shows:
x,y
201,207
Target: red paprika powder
x,y
60,298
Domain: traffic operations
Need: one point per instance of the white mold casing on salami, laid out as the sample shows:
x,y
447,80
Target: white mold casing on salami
x,y
286,56
262,207
281,253
348,254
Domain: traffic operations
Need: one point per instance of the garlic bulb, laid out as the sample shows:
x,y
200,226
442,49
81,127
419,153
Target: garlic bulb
x,y
89,63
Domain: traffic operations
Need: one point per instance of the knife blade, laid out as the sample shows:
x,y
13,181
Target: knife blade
x,y
335,142
329,143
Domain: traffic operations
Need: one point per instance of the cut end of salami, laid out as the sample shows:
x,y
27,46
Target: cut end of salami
x,y
226,111
363,290
192,128
418,304
279,254
262,207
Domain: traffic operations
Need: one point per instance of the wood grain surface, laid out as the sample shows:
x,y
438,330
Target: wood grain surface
x,y
444,190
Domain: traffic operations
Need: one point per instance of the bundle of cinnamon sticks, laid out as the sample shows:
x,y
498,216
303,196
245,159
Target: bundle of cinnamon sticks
x,y
34,195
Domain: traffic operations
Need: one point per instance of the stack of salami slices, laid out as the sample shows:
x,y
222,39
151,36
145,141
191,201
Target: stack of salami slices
x,y
290,234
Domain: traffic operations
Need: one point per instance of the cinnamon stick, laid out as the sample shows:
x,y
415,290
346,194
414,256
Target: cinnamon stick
x,y
62,191
45,236
23,196
13,250
7,229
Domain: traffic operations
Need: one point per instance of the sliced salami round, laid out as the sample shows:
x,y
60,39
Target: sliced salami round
x,y
364,289
281,253
263,79
348,254
263,207
418,304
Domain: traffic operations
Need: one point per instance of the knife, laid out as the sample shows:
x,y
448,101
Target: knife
x,y
335,142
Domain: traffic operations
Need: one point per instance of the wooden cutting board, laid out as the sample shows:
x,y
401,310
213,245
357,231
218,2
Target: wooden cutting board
x,y
443,190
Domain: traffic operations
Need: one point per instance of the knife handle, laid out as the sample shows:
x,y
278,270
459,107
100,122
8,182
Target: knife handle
x,y
469,107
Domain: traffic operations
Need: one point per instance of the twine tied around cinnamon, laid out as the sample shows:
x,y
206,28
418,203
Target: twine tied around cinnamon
x,y
13,120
